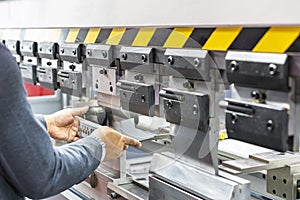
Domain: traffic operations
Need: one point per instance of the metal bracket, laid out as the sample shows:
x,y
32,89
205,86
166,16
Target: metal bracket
x,y
13,46
135,56
29,48
70,82
72,52
48,50
258,70
188,109
191,64
260,124
99,54
137,97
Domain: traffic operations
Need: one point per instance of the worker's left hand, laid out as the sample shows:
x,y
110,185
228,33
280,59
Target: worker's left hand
x,y
64,125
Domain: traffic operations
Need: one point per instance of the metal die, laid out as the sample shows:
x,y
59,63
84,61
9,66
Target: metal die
x,y
137,97
189,109
135,56
261,124
189,63
258,70
104,80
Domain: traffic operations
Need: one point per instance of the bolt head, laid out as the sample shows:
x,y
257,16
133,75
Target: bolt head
x,y
233,65
196,62
170,60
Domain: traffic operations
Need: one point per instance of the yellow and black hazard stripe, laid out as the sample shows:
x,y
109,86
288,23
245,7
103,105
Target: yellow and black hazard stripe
x,y
263,39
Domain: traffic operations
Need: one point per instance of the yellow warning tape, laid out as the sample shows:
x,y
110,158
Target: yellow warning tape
x,y
143,37
92,35
222,38
115,36
277,39
178,37
72,35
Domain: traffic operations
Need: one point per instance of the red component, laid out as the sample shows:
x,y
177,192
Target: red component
x,y
35,90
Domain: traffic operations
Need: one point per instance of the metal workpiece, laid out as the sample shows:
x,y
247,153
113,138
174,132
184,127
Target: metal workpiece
x,y
190,63
97,54
49,50
137,97
258,70
174,179
261,124
29,48
189,109
74,53
13,46
284,181
70,82
135,56
260,161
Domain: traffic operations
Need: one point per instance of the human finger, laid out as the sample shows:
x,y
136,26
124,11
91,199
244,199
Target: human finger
x,y
80,110
132,142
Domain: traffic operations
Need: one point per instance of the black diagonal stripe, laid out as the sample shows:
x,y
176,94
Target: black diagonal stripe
x,y
103,35
82,34
63,35
248,38
160,36
295,47
198,37
128,36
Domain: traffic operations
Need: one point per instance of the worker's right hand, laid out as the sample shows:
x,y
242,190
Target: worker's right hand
x,y
115,142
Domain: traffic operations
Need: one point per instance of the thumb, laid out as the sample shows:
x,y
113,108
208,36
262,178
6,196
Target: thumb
x,y
80,110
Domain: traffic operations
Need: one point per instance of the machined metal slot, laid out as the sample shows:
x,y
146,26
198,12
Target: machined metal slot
x,y
41,70
63,74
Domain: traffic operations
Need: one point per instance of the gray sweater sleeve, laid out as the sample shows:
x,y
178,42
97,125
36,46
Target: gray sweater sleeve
x,y
28,160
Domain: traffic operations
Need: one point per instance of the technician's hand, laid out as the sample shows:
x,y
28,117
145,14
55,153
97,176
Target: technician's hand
x,y
64,125
115,143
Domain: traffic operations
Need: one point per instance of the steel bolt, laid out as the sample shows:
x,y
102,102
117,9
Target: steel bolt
x,y
195,109
234,118
196,62
89,52
124,56
270,125
170,60
41,49
50,50
62,51
169,104
74,52
233,66
144,58
272,69
188,85
104,54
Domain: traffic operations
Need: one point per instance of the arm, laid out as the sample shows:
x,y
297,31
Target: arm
x,y
30,163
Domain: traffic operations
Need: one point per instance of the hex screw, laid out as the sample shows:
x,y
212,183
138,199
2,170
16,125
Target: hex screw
x,y
188,85
233,65
170,60
195,109
144,58
62,51
50,50
272,69
139,77
124,56
74,52
41,49
196,62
